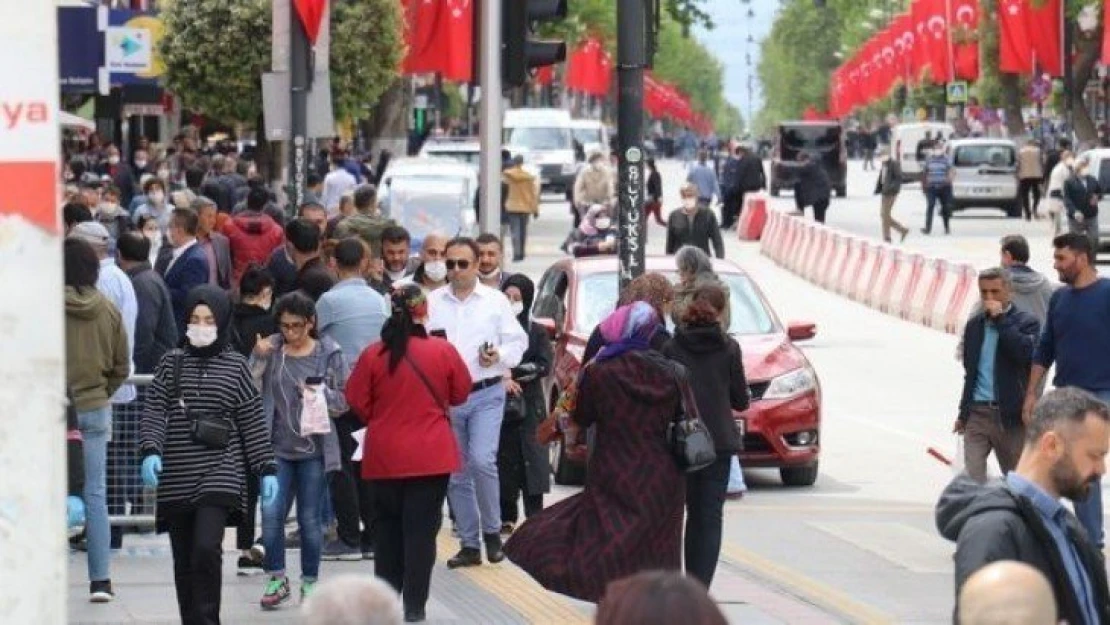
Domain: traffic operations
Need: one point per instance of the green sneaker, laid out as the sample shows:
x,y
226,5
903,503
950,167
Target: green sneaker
x,y
307,588
277,592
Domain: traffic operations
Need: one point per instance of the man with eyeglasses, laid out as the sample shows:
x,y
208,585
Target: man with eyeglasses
x,y
479,322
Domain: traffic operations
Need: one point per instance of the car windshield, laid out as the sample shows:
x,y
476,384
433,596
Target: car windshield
x,y
810,138
427,204
462,156
539,138
993,155
587,135
598,292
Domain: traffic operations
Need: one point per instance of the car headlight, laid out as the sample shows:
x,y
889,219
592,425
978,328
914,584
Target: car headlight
x,y
791,384
569,168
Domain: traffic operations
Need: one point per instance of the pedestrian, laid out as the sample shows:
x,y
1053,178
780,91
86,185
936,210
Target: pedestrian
x,y
337,182
628,518
593,185
596,235
752,177
155,327
1055,190
1007,592
1032,290
431,273
157,205
998,352
653,203
716,369
351,314
522,203
1021,518
296,368
694,225
695,270
654,289
403,388
1081,196
121,174
148,227
253,234
658,598
302,242
523,466
812,186
186,267
869,141
937,176
888,186
368,222
282,265
491,258
730,189
201,475
98,362
353,600
704,179
480,323
1030,175
216,247
397,254
1076,338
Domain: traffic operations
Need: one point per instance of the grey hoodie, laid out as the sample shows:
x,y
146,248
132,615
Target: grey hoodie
x,y
1031,294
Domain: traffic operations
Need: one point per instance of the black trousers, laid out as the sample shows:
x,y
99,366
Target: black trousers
x,y
820,207
1029,187
246,533
195,540
730,208
409,513
350,494
705,501
512,476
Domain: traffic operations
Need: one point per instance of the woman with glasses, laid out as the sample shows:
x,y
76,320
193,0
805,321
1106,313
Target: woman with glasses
x,y
295,366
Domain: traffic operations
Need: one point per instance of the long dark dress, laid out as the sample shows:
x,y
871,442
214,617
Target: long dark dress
x,y
629,516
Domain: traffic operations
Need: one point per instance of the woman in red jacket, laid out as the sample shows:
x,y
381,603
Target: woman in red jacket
x,y
402,388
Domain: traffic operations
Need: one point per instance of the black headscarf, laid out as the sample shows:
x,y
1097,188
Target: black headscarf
x,y
217,301
528,295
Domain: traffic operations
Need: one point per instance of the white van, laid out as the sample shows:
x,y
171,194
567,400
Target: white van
x,y
545,138
986,174
906,145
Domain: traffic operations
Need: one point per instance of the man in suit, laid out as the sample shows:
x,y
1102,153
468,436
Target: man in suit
x,y
216,247
186,266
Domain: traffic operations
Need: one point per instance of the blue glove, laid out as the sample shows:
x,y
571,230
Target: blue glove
x,y
269,490
75,511
152,468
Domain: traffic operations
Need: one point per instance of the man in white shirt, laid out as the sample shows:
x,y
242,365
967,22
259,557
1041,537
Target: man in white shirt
x,y
336,183
479,322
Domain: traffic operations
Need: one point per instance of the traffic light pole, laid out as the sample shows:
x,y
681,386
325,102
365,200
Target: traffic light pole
x,y
300,52
489,118
631,60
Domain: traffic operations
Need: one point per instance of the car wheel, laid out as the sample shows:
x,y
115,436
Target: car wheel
x,y
842,192
1013,210
799,476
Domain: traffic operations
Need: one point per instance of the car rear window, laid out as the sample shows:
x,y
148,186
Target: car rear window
x,y
993,155
597,293
819,138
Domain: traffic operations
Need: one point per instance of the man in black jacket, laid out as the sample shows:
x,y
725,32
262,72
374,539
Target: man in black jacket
x,y
731,192
155,328
694,225
998,353
752,176
1022,518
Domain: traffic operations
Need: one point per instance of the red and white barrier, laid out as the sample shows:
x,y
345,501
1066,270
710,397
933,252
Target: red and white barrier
x,y
753,217
933,292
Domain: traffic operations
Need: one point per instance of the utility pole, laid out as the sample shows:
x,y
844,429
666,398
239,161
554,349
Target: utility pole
x,y
631,61
300,81
489,118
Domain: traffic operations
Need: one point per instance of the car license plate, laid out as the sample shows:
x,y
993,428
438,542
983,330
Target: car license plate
x,y
741,426
982,191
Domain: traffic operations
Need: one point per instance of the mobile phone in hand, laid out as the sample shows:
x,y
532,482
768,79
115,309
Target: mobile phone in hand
x,y
440,333
314,380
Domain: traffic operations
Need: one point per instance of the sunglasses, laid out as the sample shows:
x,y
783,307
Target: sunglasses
x,y
459,264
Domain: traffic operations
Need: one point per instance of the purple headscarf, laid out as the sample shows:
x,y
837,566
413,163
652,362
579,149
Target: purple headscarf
x,y
628,328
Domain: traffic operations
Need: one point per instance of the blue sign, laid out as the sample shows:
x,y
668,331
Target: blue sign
x,y
80,49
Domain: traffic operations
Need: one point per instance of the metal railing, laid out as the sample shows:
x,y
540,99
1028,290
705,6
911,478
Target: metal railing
x,y
129,502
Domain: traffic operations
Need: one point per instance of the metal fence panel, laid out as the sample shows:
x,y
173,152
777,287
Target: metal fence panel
x,y
129,502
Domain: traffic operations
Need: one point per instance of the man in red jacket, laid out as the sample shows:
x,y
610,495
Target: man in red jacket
x,y
253,235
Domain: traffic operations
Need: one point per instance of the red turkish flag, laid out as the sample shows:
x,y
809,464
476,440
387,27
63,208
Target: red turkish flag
x,y
919,13
545,75
1105,33
936,31
583,68
1015,53
1044,24
964,21
603,77
439,35
311,13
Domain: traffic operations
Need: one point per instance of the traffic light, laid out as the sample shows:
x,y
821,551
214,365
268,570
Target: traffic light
x,y
520,53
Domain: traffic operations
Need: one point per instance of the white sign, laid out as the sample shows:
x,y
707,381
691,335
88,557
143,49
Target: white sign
x,y
128,50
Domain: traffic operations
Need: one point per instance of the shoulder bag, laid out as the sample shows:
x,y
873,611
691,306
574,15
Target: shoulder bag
x,y
428,385
690,441
210,430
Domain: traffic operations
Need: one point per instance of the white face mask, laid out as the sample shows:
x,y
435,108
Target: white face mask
x,y
689,202
436,270
201,335
113,160
603,224
518,307
164,174
140,164
156,197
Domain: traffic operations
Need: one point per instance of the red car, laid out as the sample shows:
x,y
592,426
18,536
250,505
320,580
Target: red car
x,y
782,427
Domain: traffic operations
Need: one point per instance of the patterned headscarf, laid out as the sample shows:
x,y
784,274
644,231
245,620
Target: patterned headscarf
x,y
588,226
409,297
628,328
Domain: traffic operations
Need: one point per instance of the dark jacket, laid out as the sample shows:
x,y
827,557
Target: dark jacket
x,y
247,324
315,279
813,184
190,270
699,231
752,176
890,178
283,270
221,247
535,365
1017,336
1078,191
992,523
156,327
716,371
730,175
655,186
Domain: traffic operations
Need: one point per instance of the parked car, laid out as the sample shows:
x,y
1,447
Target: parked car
x,y
908,145
428,195
782,427
823,140
1100,169
986,174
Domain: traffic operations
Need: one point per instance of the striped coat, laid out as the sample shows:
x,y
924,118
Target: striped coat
x,y
192,474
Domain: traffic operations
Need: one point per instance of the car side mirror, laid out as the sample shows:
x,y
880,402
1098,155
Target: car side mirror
x,y
801,330
548,324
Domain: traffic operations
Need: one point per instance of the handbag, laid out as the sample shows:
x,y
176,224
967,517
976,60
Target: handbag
x,y
515,409
210,430
690,441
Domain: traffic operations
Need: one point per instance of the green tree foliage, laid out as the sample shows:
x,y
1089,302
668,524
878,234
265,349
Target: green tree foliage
x,y
216,51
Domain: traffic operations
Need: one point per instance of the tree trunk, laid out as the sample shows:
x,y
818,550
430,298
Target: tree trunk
x,y
387,127
1011,103
1087,51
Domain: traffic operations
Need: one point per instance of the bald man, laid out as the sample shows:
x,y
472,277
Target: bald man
x,y
432,273
1007,592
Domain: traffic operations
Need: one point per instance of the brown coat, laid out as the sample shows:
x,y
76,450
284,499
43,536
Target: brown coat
x,y
522,197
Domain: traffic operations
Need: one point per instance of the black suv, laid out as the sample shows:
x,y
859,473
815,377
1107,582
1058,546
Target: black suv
x,y
823,140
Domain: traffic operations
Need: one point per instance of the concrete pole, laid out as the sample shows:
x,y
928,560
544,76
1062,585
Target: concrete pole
x,y
32,361
489,117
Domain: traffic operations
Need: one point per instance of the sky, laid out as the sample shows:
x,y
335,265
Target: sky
x,y
727,42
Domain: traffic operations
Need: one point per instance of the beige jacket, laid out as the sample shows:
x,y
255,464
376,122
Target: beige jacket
x,y
1030,164
522,197
593,186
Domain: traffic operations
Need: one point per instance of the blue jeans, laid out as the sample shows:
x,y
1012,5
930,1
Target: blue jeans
x,y
303,479
475,490
1089,511
96,429
933,195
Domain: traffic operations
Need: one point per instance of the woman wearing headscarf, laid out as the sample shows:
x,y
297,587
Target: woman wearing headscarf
x,y
596,235
629,516
695,270
202,485
653,288
402,388
522,462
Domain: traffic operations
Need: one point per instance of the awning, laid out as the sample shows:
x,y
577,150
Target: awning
x,y
74,122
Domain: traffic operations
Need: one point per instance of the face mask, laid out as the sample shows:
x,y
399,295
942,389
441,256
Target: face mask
x,y
689,202
518,308
164,174
489,276
156,197
201,336
140,164
603,224
436,270
113,160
